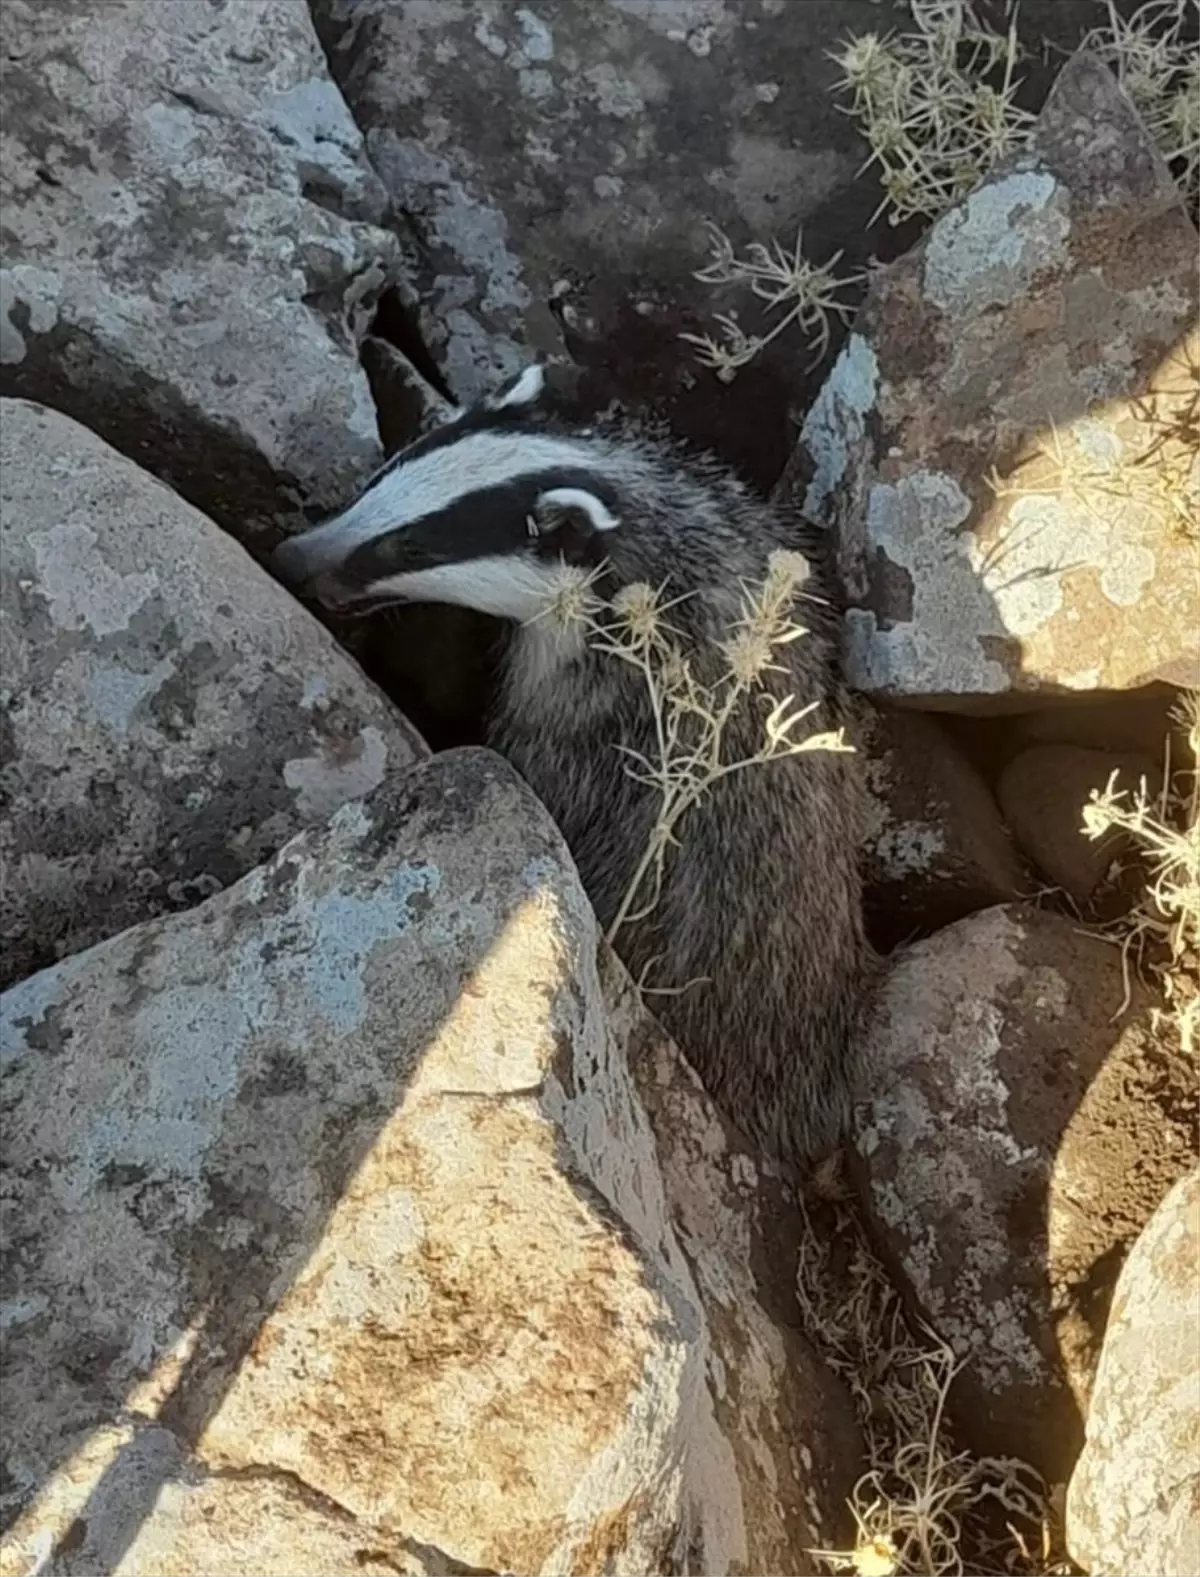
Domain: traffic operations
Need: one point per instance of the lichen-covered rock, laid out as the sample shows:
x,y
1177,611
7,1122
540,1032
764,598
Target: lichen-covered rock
x,y
936,848
1044,330
169,715
191,248
339,1185
626,126
1012,1142
1043,793
1134,1499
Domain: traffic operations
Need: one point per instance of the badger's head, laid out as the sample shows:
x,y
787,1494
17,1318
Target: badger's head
x,y
483,512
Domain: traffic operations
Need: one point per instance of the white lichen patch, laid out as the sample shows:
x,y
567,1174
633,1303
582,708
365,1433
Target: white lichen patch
x,y
312,120
986,252
327,779
908,848
36,291
834,431
114,692
1025,562
914,524
83,591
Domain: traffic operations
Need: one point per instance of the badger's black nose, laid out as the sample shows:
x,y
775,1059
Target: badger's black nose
x,y
290,563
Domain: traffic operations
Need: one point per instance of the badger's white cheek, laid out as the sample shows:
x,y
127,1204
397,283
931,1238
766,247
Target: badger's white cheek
x,y
506,586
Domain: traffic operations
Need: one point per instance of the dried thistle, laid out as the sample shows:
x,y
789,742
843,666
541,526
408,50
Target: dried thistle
x,y
937,105
692,714
1162,933
1158,65
921,1501
785,282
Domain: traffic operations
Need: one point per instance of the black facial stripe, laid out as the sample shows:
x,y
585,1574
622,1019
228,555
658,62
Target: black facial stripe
x,y
490,520
474,419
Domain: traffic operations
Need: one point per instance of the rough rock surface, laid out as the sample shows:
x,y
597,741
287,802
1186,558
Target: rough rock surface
x,y
169,716
191,248
1134,1499
936,848
1044,328
1014,1143
1043,792
338,1189
626,126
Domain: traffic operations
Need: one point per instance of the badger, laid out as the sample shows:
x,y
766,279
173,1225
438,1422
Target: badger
x,y
753,948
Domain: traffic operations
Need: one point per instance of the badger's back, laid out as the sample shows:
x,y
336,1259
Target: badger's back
x,y
759,916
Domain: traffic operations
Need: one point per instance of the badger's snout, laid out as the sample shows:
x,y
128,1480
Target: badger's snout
x,y
309,564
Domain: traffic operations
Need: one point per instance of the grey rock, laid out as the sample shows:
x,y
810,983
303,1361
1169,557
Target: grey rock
x,y
573,220
1043,793
170,715
192,247
1011,1143
1045,329
936,848
339,1187
1134,1499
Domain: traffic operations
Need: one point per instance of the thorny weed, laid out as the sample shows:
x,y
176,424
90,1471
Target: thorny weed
x,y
1159,67
938,106
921,1502
1162,933
691,713
784,281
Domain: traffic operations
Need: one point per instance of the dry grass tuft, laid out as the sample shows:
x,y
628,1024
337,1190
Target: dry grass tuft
x,y
1162,933
922,1503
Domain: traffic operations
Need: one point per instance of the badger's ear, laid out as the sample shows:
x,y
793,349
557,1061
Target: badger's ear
x,y
558,504
521,392
572,523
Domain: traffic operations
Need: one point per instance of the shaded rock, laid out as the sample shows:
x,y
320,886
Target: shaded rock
x,y
936,848
1136,722
1012,1142
191,249
1043,792
364,1209
579,230
1044,329
170,715
409,407
1134,1499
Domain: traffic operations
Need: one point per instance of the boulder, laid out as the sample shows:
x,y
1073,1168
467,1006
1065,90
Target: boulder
x,y
1134,1499
338,1188
169,715
191,247
936,848
579,230
978,449
1015,1135
1043,792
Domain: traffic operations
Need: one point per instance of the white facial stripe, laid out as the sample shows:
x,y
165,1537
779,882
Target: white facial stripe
x,y
434,481
578,498
525,391
508,587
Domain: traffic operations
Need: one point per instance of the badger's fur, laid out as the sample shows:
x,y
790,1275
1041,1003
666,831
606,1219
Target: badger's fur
x,y
759,917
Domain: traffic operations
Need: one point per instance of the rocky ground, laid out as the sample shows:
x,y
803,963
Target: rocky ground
x,y
358,1216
